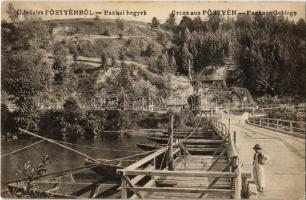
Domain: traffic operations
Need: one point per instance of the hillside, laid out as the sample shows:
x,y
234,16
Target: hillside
x,y
129,44
99,27
46,62
95,78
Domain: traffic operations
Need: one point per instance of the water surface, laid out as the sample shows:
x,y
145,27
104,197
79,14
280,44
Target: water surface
x,y
61,158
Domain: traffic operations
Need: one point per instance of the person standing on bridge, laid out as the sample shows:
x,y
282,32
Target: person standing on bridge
x,y
259,160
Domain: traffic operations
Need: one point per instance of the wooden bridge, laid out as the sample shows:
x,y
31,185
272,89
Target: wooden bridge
x,y
284,179
175,173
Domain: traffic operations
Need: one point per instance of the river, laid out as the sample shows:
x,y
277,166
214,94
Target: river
x,y
61,158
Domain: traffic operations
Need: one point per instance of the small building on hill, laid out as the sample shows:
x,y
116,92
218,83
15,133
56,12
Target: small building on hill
x,y
212,77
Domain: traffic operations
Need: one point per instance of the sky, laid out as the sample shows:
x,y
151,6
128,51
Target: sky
x,y
157,9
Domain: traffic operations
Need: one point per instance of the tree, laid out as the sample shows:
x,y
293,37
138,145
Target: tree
x,y
103,57
162,64
207,49
120,35
185,60
172,63
270,53
197,24
184,35
121,55
170,22
155,23
162,39
74,51
12,13
27,74
60,65
119,24
7,121
214,21
106,33
31,33
186,22
114,62
73,118
72,104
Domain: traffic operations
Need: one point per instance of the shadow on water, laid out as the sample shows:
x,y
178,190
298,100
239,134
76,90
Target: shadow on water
x,y
61,158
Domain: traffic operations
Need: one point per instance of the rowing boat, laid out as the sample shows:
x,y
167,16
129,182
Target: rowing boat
x,y
149,147
105,167
193,149
160,140
181,135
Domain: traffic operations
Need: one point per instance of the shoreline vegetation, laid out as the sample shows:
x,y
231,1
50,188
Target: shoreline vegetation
x,y
45,77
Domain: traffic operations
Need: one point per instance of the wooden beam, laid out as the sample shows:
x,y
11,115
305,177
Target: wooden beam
x,y
150,183
138,178
123,188
247,175
184,190
143,160
237,183
216,179
170,150
181,173
218,158
106,193
204,146
133,188
202,141
205,149
59,144
89,187
181,146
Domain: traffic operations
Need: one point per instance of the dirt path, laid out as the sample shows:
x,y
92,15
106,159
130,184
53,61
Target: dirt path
x,y
93,37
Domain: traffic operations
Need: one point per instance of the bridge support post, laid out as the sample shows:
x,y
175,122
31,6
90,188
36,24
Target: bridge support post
x,y
235,138
244,187
170,151
291,127
123,188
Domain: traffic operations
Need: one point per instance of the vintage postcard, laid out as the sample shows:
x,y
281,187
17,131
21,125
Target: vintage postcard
x,y
153,99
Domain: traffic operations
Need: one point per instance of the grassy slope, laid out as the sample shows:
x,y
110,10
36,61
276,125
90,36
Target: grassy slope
x,y
98,27
87,32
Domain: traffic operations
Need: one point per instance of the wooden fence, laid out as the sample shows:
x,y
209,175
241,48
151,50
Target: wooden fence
x,y
296,128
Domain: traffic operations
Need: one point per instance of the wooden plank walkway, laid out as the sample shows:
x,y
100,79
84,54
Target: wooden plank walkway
x,y
193,163
213,173
285,177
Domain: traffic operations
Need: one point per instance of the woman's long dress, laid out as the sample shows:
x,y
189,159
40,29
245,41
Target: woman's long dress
x,y
258,170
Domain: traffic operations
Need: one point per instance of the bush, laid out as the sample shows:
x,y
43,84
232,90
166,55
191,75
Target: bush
x,y
7,122
285,114
106,33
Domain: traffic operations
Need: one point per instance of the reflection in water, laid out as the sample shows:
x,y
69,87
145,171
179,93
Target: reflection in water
x,y
61,158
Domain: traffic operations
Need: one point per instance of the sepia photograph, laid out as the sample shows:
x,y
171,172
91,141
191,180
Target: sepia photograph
x,y
153,99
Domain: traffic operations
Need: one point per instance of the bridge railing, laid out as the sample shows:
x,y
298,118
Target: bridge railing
x,y
287,126
230,148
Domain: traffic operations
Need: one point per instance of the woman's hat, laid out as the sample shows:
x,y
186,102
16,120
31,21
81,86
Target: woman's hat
x,y
257,146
